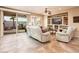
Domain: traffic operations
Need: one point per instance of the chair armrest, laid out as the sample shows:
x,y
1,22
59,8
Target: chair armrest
x,y
62,33
46,33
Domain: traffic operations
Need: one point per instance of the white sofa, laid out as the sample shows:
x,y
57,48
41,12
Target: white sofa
x,y
36,32
66,35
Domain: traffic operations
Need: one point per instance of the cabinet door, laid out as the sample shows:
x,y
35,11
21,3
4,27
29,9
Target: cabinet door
x,y
65,20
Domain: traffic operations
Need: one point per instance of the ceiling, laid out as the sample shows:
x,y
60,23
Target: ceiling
x,y
40,9
6,13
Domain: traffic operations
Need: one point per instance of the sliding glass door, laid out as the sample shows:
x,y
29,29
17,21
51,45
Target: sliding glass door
x,y
14,23
22,23
9,24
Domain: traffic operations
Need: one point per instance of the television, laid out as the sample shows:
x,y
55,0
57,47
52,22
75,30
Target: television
x,y
76,19
56,20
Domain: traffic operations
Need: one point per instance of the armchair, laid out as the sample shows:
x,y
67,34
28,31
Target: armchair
x,y
65,36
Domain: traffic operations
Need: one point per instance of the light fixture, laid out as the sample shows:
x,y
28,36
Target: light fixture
x,y
47,11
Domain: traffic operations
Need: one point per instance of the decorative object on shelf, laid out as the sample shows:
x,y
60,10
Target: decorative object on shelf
x,y
60,30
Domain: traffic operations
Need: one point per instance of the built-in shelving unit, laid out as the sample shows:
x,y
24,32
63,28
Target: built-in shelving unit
x,y
63,17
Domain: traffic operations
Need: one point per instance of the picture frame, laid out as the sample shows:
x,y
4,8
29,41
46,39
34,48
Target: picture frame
x,y
76,19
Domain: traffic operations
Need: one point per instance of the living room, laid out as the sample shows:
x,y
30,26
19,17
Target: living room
x,y
47,29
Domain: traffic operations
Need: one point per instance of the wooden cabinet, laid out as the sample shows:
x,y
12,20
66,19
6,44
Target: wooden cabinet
x,y
65,20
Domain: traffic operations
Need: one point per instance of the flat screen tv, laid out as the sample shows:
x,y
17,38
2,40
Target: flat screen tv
x,y
76,19
57,20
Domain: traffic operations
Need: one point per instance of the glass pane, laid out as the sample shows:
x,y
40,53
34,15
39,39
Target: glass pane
x,y
22,22
35,20
9,24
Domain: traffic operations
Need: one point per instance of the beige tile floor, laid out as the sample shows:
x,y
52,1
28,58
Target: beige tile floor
x,y
22,43
18,43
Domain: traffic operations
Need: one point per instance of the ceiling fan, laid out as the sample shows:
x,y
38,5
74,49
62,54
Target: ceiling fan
x,y
47,11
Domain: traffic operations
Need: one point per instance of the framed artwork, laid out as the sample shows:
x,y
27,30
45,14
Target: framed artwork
x,y
76,19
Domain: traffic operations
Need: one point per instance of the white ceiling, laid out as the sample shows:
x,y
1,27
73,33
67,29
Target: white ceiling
x,y
40,9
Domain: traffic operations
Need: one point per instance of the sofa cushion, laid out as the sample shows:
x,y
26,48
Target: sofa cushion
x,y
43,29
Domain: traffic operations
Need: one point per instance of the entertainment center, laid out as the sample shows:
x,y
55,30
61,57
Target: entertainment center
x,y
58,20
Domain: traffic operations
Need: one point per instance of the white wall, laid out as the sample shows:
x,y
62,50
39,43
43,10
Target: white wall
x,y
45,20
41,17
1,23
71,13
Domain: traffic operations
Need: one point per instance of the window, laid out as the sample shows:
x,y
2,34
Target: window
x,y
35,20
22,22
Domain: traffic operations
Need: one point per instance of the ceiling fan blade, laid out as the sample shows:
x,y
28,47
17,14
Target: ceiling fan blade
x,y
46,10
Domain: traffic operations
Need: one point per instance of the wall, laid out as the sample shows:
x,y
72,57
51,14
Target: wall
x,y
71,13
1,23
45,21
41,18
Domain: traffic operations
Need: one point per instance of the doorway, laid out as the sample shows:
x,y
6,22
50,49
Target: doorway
x,y
9,22
22,23
14,24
